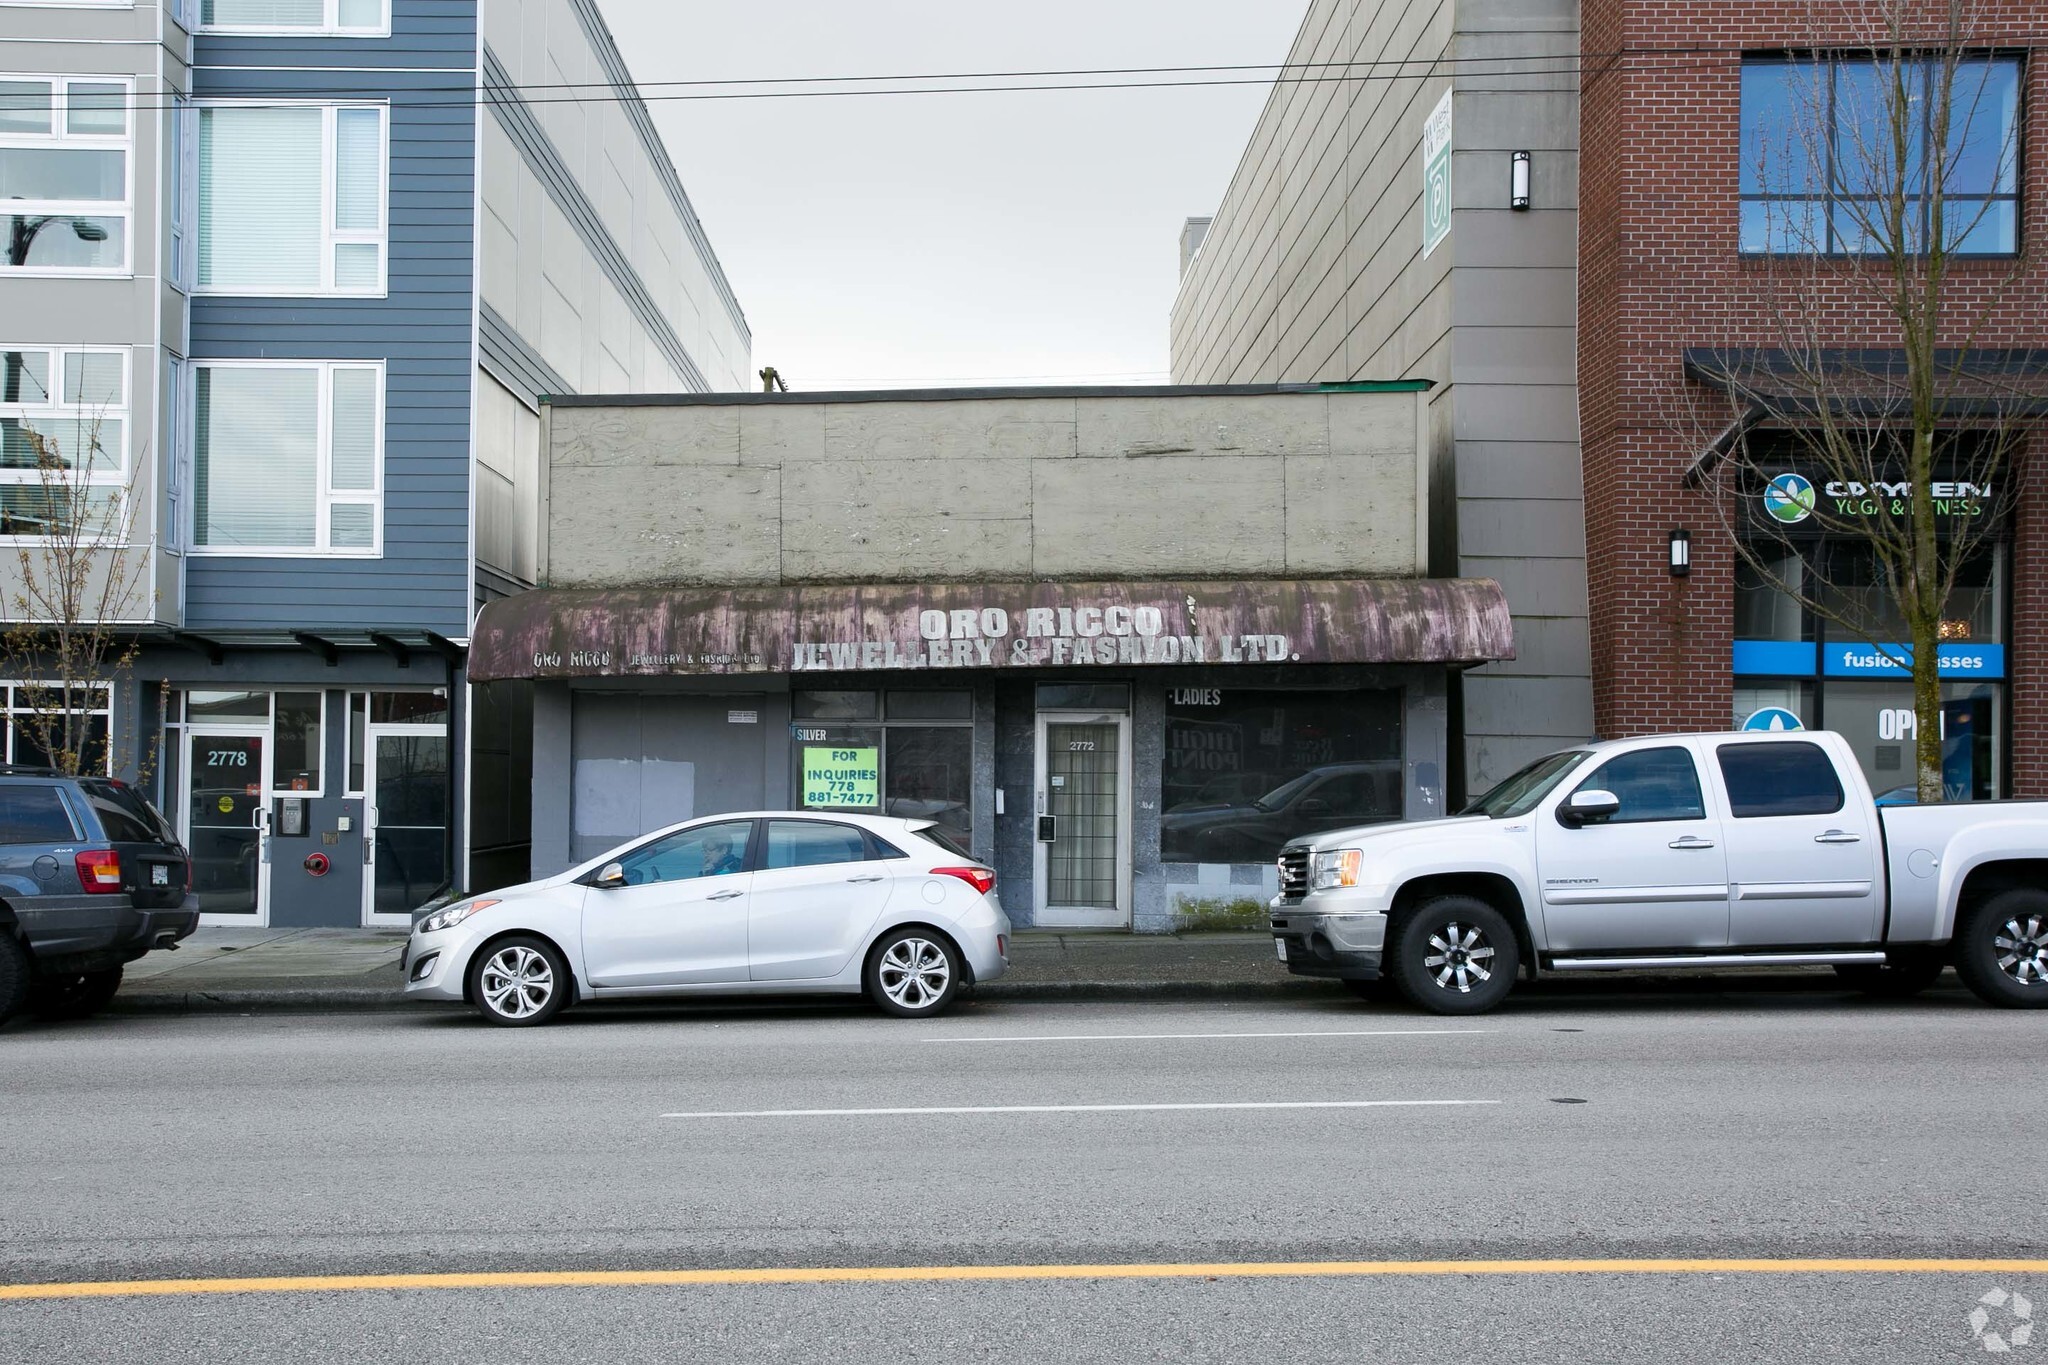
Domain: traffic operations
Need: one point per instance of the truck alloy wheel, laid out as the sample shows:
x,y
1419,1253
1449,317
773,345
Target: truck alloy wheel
x,y
2001,949
518,982
1455,955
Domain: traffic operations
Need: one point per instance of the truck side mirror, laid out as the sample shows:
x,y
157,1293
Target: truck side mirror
x,y
611,874
1315,808
1588,807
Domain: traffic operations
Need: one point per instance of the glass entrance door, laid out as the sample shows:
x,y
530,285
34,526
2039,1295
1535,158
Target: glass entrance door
x,y
225,811
406,804
1083,863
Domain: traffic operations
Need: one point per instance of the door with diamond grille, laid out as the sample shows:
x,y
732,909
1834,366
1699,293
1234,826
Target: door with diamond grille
x,y
1083,818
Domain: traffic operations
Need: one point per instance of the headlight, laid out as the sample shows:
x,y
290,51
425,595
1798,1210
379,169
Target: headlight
x,y
452,916
1338,867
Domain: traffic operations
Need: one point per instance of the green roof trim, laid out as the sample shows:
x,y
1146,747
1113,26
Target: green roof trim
x,y
1379,386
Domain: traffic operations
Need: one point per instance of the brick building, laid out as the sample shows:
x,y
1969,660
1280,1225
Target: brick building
x,y
1675,255
1540,206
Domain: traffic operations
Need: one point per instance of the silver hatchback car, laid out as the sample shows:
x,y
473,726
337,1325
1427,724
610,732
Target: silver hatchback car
x,y
775,902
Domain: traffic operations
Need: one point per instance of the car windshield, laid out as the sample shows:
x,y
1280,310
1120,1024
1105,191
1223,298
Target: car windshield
x,y
1285,792
1519,794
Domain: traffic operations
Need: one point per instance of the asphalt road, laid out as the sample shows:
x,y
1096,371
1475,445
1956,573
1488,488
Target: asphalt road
x,y
1767,1125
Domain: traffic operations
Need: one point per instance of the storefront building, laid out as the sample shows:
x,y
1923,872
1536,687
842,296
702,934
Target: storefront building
x,y
1683,359
1079,690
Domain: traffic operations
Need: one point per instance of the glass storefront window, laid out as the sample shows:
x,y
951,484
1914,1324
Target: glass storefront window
x,y
913,759
1245,771
408,708
1877,719
1755,700
297,749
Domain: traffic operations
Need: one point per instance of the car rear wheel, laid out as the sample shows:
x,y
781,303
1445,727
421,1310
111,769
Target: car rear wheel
x,y
1454,955
913,973
2001,949
73,995
1896,979
15,975
518,982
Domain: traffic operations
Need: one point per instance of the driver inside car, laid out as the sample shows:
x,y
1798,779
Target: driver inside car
x,y
719,858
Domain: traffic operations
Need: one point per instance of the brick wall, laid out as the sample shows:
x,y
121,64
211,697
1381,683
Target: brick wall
x,y
1660,271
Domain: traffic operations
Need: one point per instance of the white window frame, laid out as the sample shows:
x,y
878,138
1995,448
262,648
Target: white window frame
x,y
330,235
329,25
57,410
326,496
177,469
59,137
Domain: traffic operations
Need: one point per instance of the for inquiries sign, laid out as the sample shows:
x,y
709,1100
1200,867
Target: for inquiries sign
x,y
842,778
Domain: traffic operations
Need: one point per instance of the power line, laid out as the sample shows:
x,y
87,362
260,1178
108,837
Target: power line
x,y
454,96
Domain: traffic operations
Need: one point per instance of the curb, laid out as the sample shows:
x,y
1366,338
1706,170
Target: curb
x,y
356,1000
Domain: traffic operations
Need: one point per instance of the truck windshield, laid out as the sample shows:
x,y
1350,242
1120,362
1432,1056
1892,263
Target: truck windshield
x,y
1519,794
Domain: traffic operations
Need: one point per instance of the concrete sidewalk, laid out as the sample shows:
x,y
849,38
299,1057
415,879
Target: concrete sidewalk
x,y
353,969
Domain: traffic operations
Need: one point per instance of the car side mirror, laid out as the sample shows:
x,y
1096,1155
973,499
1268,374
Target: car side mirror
x,y
1587,807
611,874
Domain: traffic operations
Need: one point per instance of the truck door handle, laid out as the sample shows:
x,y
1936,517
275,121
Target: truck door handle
x,y
1838,836
863,879
1692,841
725,895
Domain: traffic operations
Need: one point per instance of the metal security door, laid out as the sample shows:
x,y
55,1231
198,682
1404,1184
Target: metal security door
x,y
226,814
1083,863
407,812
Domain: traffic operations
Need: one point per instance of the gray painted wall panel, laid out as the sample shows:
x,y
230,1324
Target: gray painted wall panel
x,y
422,331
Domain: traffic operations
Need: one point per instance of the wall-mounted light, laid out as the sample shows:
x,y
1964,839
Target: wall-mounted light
x,y
1518,181
1681,552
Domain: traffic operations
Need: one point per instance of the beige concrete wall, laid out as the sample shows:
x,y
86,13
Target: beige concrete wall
x,y
1313,270
985,489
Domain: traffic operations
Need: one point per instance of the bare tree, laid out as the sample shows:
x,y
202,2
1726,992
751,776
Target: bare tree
x,y
1873,413
76,579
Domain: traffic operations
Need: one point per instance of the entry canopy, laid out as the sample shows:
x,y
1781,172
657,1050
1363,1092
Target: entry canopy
x,y
854,628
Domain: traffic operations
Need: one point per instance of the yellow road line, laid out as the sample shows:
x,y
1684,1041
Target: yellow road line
x,y
594,1279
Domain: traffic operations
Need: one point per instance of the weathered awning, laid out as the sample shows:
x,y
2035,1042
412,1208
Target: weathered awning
x,y
849,628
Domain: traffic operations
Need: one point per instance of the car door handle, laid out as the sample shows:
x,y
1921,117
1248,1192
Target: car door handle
x,y
1838,836
863,879
725,895
1692,841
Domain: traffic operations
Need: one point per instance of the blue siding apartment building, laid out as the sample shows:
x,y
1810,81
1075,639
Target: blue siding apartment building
x,y
285,282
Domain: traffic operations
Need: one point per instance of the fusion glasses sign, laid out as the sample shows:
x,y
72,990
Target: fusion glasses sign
x,y
1436,176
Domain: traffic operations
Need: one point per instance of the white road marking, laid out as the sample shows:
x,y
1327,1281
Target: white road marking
x,y
1069,1108
1157,1037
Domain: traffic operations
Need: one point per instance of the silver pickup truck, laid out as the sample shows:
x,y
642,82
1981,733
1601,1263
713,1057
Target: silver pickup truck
x,y
1677,851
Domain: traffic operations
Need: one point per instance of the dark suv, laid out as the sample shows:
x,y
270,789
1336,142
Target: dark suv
x,y
91,877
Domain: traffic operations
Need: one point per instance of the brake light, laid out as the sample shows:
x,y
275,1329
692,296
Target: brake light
x,y
980,878
99,870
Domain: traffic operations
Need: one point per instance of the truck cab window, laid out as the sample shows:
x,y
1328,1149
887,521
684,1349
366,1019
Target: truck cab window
x,y
1779,779
1653,784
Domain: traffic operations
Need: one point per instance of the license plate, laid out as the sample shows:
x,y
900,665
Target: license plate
x,y
1281,945
159,875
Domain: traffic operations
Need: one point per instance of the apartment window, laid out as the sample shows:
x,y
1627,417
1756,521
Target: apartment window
x,y
348,18
287,458
292,199
66,200
63,441
1819,158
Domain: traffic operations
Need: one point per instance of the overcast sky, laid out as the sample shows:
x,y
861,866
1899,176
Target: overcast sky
x,y
1010,238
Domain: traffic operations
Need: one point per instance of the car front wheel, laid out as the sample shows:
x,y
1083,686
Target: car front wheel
x,y
518,982
15,975
1455,955
913,973
2001,949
